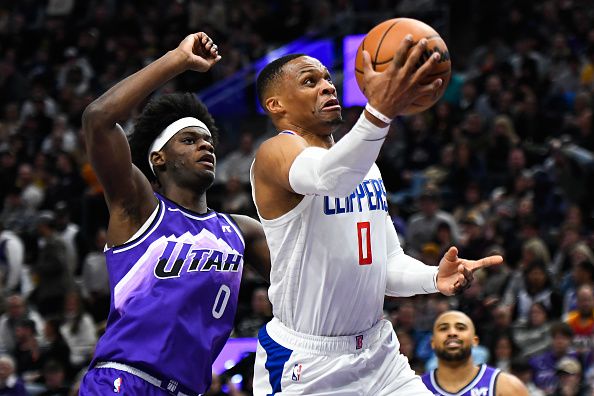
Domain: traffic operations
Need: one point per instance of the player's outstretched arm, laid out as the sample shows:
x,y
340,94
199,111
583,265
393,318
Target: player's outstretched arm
x,y
107,146
456,274
510,385
257,254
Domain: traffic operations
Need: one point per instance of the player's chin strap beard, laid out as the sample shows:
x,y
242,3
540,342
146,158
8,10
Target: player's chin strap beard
x,y
167,133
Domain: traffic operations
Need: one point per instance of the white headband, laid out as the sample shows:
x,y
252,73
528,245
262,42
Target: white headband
x,y
171,130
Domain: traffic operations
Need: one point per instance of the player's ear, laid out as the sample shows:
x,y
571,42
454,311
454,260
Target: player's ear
x,y
475,341
432,343
274,105
157,158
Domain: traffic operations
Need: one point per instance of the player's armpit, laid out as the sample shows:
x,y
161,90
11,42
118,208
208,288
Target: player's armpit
x,y
256,254
510,385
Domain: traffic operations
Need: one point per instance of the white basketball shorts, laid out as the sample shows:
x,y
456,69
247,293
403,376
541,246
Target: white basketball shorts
x,y
292,363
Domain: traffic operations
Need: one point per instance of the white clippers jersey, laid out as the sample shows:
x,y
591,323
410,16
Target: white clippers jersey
x,y
328,256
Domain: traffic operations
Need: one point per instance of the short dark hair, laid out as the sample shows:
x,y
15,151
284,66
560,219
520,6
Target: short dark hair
x,y
156,116
561,328
270,73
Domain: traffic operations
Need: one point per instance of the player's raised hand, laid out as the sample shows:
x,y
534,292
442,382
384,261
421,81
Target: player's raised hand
x,y
200,51
455,274
394,89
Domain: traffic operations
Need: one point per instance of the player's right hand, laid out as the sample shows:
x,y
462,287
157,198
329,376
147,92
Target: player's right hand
x,y
395,88
200,51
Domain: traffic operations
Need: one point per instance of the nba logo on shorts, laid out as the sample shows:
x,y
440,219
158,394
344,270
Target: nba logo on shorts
x,y
359,341
296,372
117,384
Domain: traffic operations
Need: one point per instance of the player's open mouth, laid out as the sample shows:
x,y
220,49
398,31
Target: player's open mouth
x,y
207,160
331,105
453,343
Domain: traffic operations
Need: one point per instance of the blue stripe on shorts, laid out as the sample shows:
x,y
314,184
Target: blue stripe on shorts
x,y
276,357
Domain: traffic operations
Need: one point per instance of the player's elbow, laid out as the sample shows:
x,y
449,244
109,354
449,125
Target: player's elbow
x,y
92,118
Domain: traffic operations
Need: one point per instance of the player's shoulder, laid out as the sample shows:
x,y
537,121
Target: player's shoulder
x,y
278,142
508,384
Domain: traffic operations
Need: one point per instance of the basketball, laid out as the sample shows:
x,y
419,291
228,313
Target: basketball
x,y
382,43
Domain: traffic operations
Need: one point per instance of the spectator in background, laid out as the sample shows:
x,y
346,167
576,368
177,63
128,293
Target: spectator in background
x,y
27,351
537,286
16,311
69,233
95,279
238,162
503,352
261,313
569,371
10,383
56,349
31,193
54,380
78,329
581,320
533,335
51,270
544,365
422,226
12,254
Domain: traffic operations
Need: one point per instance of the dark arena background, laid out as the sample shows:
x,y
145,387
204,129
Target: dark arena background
x,y
502,164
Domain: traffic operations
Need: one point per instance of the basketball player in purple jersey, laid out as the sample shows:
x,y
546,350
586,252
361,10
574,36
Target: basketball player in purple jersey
x,y
174,264
456,374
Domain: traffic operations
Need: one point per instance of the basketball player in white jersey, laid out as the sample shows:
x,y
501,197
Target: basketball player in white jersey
x,y
456,374
334,250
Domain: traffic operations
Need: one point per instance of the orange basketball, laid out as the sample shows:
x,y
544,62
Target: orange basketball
x,y
382,43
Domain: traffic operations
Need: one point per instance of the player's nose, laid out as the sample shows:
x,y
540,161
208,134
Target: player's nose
x,y
327,87
205,145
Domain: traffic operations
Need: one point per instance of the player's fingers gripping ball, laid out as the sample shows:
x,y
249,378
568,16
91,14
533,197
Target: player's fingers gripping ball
x,y
383,41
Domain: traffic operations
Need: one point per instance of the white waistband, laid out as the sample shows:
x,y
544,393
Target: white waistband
x,y
140,374
355,343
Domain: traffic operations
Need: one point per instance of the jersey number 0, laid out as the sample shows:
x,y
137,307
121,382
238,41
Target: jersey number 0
x,y
364,238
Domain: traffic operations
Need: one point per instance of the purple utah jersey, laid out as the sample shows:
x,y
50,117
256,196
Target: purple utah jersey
x,y
174,294
482,385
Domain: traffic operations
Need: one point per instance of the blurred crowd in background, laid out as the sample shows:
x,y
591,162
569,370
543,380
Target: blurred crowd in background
x,y
504,164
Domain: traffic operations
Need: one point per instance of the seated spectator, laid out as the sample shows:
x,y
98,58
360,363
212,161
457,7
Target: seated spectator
x,y
522,369
57,349
54,380
12,255
422,226
260,314
544,365
569,371
27,351
10,383
536,286
533,335
78,329
95,279
503,352
17,309
51,269
581,320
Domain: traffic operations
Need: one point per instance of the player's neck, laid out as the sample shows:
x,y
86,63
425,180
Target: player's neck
x,y
194,201
452,377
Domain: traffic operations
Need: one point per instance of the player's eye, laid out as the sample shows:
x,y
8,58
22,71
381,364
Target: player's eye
x,y
189,140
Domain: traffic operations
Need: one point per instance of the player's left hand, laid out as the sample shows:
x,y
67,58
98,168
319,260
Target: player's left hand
x,y
200,51
455,274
